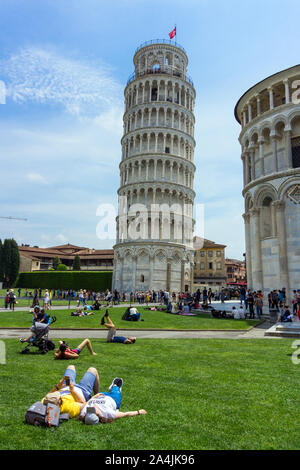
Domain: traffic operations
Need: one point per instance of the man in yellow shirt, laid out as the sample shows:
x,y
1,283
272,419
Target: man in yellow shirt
x,y
70,396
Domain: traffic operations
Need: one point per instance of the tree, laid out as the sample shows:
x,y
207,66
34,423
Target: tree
x,y
56,262
76,263
62,267
10,261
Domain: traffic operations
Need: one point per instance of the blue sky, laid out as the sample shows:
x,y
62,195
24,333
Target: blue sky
x,y
65,64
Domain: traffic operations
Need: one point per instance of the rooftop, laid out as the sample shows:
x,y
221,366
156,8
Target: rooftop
x,y
66,251
209,244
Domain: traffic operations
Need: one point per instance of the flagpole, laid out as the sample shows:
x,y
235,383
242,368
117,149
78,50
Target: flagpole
x,y
175,33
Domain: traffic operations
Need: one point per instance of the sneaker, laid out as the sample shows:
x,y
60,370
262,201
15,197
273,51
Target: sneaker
x,y
118,382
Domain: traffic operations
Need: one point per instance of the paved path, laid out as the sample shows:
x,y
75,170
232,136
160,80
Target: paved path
x,y
55,333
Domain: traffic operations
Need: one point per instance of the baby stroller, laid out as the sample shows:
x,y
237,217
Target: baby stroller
x,y
40,339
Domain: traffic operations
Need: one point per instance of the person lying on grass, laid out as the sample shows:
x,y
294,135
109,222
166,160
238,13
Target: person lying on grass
x,y
111,335
86,311
70,396
104,407
64,352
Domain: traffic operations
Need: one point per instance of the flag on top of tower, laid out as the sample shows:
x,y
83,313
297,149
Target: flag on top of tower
x,y
172,33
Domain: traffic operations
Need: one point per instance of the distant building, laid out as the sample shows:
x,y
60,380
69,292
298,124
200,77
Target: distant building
x,y
28,263
35,258
235,272
209,266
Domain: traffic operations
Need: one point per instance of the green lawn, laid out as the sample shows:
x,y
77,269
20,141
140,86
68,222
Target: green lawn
x,y
157,320
199,394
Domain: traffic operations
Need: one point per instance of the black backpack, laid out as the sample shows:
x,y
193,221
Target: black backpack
x,y
126,315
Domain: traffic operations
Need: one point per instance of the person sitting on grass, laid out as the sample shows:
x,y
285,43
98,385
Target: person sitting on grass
x,y
235,313
65,352
134,315
35,312
241,312
173,308
287,315
215,313
104,407
96,305
185,309
70,396
39,315
111,335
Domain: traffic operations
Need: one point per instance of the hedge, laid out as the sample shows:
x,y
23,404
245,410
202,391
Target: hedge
x,y
89,280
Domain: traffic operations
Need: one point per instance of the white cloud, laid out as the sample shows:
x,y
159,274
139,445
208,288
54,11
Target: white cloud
x,y
61,238
36,178
111,120
42,75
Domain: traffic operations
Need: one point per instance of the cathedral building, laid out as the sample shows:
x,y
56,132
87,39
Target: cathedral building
x,y
269,114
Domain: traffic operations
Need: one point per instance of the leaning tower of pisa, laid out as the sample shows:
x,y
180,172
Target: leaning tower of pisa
x,y
154,226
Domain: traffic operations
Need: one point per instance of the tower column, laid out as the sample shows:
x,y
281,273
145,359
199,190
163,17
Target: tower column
x,y
155,169
261,156
182,274
287,91
257,262
281,235
271,97
151,264
248,250
134,259
275,156
258,105
169,263
121,260
288,147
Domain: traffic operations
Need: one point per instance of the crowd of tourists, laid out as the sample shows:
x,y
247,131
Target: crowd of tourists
x,y
251,302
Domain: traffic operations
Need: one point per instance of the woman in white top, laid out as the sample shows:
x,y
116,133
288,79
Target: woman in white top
x,y
104,407
46,300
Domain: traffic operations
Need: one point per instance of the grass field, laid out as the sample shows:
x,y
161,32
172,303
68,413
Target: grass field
x,y
199,394
157,320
